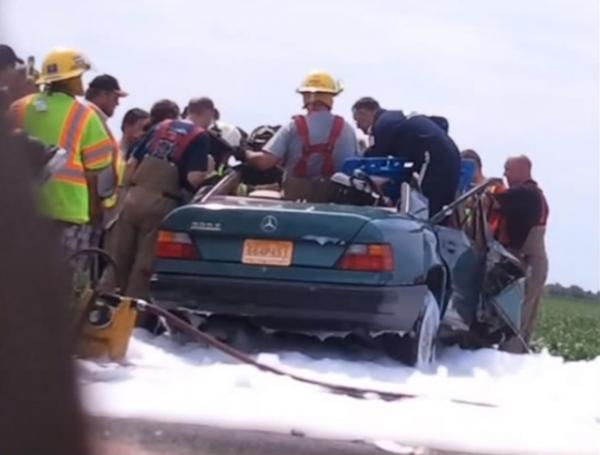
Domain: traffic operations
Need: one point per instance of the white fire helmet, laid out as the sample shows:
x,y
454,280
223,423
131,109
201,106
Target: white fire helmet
x,y
230,133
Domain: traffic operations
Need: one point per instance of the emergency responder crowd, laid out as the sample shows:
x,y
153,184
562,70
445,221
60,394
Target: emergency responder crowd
x,y
100,191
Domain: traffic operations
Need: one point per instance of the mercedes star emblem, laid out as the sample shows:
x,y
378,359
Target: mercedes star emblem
x,y
269,224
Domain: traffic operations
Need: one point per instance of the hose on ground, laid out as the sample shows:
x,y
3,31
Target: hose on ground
x,y
356,392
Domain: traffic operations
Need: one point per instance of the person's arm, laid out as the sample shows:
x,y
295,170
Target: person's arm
x,y
137,152
196,178
130,168
382,141
195,161
262,160
350,141
97,148
95,201
274,152
401,139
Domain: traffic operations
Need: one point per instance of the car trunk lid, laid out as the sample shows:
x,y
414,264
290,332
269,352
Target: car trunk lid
x,y
267,232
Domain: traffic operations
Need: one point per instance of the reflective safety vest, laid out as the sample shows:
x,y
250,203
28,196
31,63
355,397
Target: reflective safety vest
x,y
494,216
59,120
499,223
118,163
118,168
308,149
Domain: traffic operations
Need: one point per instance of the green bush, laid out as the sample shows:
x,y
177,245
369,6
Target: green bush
x,y
569,328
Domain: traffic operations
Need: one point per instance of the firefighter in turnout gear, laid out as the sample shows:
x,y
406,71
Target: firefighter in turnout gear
x,y
81,144
312,147
170,162
524,215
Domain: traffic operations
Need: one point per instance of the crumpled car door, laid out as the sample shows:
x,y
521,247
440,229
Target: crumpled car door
x,y
503,289
466,268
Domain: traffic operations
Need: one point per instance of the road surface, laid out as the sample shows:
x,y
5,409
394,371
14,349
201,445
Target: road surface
x,y
140,437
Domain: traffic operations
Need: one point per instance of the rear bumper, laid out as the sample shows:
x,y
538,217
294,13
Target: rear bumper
x,y
294,305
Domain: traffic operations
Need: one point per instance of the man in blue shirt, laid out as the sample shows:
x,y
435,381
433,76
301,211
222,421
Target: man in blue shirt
x,y
413,137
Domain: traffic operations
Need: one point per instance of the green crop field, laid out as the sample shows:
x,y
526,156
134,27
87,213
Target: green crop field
x,y
569,328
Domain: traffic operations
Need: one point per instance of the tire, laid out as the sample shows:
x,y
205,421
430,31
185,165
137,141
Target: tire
x,y
162,326
418,348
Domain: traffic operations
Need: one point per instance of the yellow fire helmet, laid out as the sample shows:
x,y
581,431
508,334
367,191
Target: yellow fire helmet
x,y
320,82
62,63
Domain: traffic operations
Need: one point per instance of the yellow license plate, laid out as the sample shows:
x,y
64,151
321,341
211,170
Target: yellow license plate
x,y
268,252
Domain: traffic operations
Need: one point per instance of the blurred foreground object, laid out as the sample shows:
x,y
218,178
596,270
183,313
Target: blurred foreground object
x,y
40,411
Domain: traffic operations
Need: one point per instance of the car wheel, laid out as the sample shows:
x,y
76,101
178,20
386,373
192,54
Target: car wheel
x,y
418,348
422,341
165,327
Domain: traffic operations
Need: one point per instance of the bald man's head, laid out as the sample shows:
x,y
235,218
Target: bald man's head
x,y
517,170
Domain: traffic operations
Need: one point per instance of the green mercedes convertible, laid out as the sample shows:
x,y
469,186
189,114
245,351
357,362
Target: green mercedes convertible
x,y
379,267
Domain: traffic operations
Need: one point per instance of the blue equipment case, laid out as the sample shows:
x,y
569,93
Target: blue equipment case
x,y
394,169
398,170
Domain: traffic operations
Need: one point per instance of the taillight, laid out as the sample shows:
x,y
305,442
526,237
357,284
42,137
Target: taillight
x,y
368,257
175,245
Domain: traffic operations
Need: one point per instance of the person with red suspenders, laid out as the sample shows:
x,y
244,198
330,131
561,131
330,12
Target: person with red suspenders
x,y
312,147
523,215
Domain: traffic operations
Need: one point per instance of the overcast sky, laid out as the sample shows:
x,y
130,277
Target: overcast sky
x,y
512,77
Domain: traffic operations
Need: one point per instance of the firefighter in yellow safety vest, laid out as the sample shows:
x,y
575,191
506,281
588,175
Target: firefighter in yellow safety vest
x,y
81,142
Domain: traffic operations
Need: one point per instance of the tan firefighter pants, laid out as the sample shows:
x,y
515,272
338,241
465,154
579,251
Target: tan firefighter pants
x,y
533,256
133,239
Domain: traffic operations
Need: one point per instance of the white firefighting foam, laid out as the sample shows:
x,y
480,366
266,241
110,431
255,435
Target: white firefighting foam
x,y
544,404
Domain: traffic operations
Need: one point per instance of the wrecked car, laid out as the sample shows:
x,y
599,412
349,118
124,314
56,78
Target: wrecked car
x,y
389,271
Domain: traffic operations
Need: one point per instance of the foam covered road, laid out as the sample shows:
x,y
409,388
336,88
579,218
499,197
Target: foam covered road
x,y
543,405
